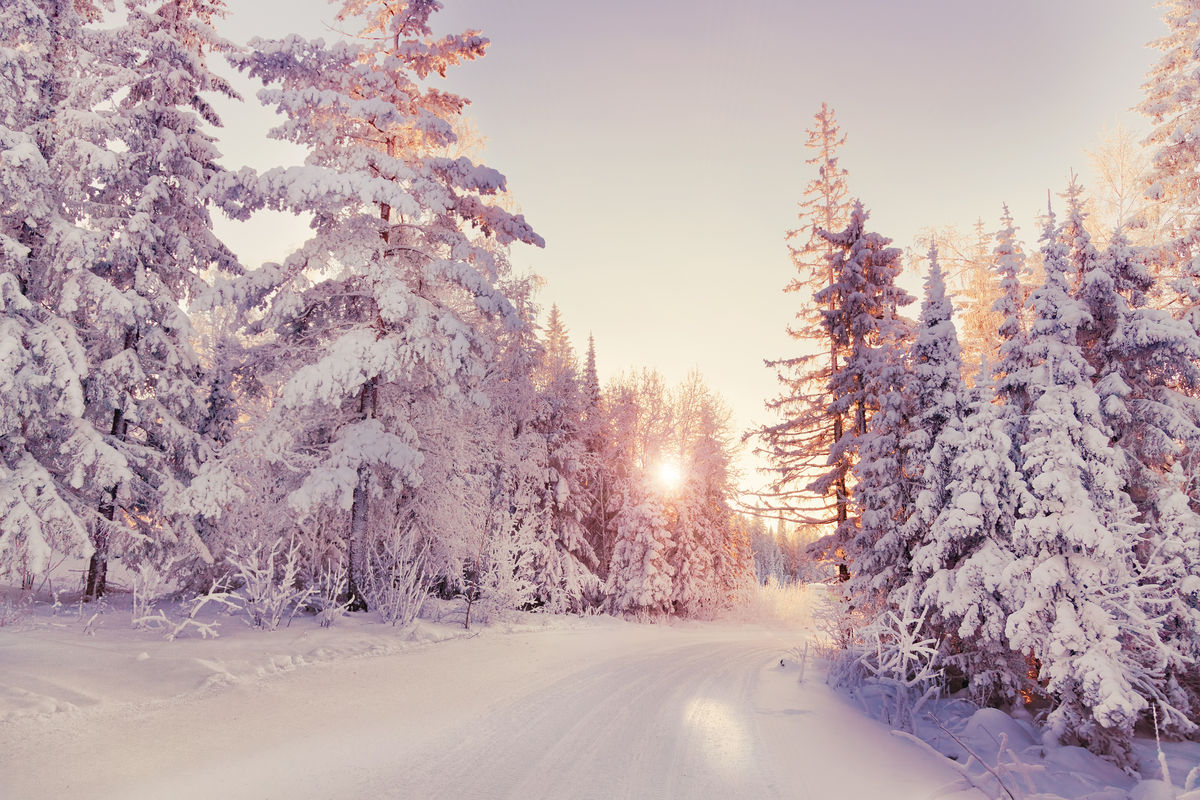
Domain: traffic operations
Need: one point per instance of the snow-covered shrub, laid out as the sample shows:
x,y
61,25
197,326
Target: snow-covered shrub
x,y
900,657
838,623
267,584
395,583
149,584
330,599
14,610
193,622
499,580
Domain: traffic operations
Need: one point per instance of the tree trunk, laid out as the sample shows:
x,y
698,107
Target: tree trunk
x,y
97,574
358,531
356,563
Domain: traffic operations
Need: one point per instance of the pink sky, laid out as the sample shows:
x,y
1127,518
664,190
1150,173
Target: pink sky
x,y
658,146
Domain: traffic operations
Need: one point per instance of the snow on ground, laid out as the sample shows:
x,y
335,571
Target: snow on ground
x,y
536,707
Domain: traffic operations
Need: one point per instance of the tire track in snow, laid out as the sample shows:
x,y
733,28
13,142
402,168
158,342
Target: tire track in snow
x,y
674,723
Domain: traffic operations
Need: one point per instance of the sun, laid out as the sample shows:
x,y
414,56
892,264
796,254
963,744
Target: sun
x,y
670,476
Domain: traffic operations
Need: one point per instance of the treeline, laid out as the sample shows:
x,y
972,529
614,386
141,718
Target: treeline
x,y
1039,523
378,416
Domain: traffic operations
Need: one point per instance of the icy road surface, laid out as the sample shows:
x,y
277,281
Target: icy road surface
x,y
612,711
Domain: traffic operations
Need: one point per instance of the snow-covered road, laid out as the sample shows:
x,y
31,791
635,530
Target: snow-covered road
x,y
616,711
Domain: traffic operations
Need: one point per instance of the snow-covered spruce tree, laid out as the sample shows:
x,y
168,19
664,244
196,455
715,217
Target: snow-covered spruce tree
x,y
1089,281
797,446
1078,610
508,543
1148,380
594,428
703,564
860,309
1172,103
565,576
884,483
375,322
1147,374
922,428
638,421
591,379
968,546
1011,370
640,575
147,390
52,147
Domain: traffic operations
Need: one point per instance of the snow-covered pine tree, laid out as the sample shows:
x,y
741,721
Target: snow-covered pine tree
x,y
639,426
960,562
516,514
1148,379
565,579
147,390
860,309
640,575
1011,370
1079,612
796,447
596,430
701,558
52,147
376,342
1172,103
885,485
591,379
905,486
1089,281
1147,374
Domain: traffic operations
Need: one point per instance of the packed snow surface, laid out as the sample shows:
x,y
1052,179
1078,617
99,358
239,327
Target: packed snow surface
x,y
549,707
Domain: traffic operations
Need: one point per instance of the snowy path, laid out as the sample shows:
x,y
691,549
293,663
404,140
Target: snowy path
x,y
610,712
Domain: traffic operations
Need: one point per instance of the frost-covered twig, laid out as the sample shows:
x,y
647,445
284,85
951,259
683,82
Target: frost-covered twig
x,y
899,656
206,629
972,754
396,583
330,598
269,588
1192,783
148,584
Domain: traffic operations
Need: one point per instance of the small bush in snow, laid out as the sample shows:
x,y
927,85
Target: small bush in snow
x,y
330,599
396,584
897,659
267,583
149,586
14,610
193,622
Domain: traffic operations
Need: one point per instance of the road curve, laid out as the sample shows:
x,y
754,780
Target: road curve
x,y
702,712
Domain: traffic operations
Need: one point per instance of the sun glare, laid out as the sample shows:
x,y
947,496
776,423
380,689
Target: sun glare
x,y
670,475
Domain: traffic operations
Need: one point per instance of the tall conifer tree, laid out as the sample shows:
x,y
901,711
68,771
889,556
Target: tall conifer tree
x,y
148,391
797,446
381,347
54,465
862,320
1078,609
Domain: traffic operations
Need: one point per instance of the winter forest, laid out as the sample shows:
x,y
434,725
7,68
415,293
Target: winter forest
x,y
1019,487
998,481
